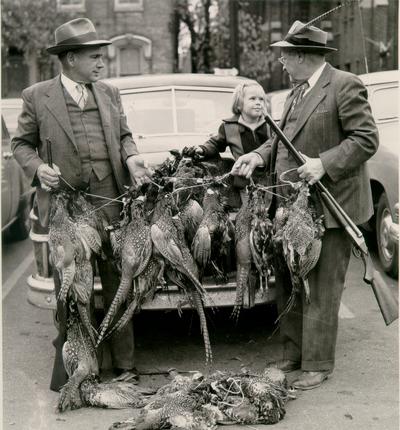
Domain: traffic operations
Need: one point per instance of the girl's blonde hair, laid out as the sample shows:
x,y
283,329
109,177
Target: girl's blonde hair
x,y
238,97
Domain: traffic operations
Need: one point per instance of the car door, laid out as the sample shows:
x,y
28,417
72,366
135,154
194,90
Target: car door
x,y
6,197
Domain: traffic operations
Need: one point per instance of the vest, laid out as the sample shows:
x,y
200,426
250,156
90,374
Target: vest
x,y
284,161
89,137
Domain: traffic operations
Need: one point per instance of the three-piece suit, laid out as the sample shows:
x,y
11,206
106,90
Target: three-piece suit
x,y
90,146
332,122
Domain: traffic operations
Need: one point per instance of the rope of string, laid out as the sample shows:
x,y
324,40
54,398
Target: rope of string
x,y
229,391
201,182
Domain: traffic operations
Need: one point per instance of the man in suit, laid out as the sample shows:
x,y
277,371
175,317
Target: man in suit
x,y
328,119
92,149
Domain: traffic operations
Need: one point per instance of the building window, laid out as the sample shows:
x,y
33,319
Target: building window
x,y
130,54
128,5
71,5
129,61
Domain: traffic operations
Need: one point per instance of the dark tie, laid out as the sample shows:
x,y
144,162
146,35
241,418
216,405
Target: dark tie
x,y
298,93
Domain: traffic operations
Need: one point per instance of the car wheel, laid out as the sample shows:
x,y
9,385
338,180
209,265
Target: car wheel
x,y
388,251
22,225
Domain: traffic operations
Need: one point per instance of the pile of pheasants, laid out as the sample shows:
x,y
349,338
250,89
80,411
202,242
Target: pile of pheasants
x,y
172,231
197,402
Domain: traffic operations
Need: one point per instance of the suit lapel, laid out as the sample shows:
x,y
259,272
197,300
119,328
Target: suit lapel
x,y
58,108
313,99
104,104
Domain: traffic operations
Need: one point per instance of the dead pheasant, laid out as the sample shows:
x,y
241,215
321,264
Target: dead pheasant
x,y
261,237
72,241
301,241
243,252
144,288
212,240
136,251
83,387
187,182
168,237
191,215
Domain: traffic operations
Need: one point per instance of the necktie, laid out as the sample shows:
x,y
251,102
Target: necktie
x,y
83,95
298,92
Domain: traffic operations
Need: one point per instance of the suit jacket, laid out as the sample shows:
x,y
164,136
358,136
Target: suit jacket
x,y
44,115
336,125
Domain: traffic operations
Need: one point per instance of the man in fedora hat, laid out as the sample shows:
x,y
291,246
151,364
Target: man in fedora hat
x,y
328,119
92,149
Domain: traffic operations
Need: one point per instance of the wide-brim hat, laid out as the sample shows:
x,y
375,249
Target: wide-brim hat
x,y
308,38
76,34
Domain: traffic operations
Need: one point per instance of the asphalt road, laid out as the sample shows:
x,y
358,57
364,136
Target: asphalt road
x,y
363,392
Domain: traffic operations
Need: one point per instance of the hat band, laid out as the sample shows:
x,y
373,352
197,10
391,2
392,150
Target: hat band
x,y
300,41
77,40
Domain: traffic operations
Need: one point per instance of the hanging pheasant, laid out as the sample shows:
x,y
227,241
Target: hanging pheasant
x,y
136,251
300,234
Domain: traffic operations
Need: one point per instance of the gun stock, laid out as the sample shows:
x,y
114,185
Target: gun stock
x,y
388,302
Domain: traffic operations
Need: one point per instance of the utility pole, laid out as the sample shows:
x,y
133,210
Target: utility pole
x,y
234,33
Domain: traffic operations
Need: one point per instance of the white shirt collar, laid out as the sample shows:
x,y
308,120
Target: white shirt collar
x,y
70,86
314,78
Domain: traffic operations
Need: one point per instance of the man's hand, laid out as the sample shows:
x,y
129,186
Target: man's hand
x,y
140,174
48,177
312,171
245,164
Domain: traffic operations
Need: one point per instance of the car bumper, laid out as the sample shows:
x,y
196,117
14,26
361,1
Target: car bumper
x,y
41,285
41,294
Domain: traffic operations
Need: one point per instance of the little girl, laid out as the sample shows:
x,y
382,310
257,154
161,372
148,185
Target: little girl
x,y
245,131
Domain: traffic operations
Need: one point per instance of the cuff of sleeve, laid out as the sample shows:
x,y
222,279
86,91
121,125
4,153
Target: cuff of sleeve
x,y
264,160
128,152
328,161
208,152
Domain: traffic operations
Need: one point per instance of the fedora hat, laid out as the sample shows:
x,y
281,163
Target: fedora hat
x,y
301,36
75,34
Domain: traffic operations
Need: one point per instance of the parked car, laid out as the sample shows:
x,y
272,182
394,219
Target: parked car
x,y
164,112
16,193
383,94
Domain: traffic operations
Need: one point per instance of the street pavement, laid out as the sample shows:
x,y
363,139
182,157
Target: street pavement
x,y
363,392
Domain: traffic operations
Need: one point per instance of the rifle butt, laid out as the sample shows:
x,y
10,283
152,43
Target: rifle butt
x,y
388,302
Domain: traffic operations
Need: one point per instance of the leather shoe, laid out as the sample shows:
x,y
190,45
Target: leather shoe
x,y
286,365
310,380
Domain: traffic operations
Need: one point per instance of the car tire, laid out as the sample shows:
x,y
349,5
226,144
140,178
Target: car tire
x,y
388,253
19,230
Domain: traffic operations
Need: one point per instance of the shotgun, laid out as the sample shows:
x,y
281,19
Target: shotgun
x,y
387,301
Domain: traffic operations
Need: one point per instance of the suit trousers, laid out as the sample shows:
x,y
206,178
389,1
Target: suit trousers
x,y
309,331
121,345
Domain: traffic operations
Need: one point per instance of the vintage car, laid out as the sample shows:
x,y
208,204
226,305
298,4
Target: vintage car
x,y
383,94
16,193
164,112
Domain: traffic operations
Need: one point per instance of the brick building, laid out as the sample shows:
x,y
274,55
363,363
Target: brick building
x,y
141,32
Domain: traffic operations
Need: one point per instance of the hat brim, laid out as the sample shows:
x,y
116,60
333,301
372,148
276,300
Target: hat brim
x,y
284,44
58,49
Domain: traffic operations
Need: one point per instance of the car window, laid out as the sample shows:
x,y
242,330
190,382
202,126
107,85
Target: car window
x,y
149,112
200,111
4,131
384,103
10,115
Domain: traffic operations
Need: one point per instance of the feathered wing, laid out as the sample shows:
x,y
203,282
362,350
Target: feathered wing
x,y
169,249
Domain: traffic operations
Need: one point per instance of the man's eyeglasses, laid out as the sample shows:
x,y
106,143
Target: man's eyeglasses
x,y
282,60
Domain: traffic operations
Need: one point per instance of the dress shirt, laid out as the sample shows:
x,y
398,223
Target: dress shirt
x,y
73,89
